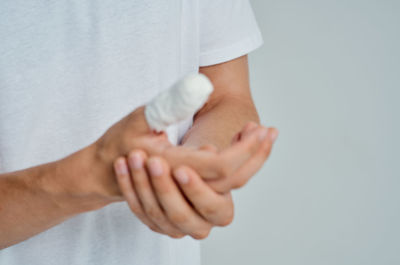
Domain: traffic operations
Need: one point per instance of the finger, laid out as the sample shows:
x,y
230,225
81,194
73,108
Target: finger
x,y
212,165
254,164
236,155
236,138
177,209
248,128
249,169
146,195
223,164
126,187
215,208
203,161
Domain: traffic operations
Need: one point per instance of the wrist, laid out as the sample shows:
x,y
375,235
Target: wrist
x,y
80,182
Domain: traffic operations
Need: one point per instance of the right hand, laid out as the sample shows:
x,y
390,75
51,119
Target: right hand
x,y
186,206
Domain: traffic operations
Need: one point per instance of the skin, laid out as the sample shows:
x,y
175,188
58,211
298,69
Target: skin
x,y
179,202
35,199
172,202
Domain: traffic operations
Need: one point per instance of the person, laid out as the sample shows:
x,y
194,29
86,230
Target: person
x,y
74,144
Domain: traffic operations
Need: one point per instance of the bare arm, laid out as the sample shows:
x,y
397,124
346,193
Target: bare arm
x,y
38,198
35,199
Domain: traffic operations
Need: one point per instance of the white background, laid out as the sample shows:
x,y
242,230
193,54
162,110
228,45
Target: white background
x,y
328,77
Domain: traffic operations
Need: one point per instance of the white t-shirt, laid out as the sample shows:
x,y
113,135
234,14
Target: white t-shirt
x,y
70,69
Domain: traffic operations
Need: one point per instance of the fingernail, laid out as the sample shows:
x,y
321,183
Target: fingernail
x,y
121,168
155,167
262,134
136,161
273,135
181,176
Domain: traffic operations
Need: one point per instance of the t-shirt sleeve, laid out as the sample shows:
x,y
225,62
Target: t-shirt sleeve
x,y
228,30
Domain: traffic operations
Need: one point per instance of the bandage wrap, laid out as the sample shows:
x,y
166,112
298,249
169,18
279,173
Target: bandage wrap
x,y
179,102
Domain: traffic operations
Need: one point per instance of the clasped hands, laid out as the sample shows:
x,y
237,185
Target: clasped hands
x,y
180,190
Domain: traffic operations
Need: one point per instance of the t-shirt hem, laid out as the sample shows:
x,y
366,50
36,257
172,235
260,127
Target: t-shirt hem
x,y
231,52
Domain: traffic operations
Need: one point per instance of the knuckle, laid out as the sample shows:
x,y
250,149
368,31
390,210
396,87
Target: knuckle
x,y
154,214
267,151
136,209
140,181
162,189
239,182
193,189
159,184
178,218
250,125
154,229
210,210
220,186
227,220
176,236
201,235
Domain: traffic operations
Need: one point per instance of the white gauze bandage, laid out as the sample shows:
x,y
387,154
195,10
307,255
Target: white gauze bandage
x,y
179,102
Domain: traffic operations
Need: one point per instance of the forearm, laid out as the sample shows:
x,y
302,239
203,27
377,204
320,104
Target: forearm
x,y
35,199
219,121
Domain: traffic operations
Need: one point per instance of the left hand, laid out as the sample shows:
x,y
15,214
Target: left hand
x,y
148,185
223,170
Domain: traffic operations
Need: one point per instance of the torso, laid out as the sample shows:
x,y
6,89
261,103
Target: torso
x,y
68,71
